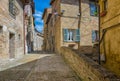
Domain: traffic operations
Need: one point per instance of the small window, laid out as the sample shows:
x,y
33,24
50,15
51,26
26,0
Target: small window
x,y
71,35
19,36
1,29
105,5
104,8
95,36
12,8
93,9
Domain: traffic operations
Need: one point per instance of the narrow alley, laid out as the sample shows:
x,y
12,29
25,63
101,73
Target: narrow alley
x,y
59,40
39,67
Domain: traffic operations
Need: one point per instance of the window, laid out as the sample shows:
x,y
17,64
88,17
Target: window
x,y
95,36
1,29
104,8
12,8
19,36
71,35
93,9
105,5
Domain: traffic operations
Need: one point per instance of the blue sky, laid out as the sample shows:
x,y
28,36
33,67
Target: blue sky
x,y
40,5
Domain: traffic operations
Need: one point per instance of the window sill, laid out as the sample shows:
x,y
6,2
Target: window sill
x,y
71,45
103,13
71,41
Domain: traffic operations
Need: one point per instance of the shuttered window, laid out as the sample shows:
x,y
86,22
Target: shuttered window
x,y
71,35
93,9
12,8
95,36
65,34
77,35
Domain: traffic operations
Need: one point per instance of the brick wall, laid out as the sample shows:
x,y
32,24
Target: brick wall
x,y
86,68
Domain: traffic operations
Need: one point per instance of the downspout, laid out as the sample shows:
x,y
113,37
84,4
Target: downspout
x,y
24,30
79,21
99,33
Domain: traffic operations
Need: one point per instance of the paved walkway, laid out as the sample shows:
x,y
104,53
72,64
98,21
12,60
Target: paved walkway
x,y
39,67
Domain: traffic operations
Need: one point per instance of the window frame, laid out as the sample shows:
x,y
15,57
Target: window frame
x,y
75,34
12,8
95,38
105,2
104,8
93,4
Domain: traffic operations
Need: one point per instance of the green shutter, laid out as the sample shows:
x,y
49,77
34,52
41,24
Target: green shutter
x,y
77,38
65,31
93,36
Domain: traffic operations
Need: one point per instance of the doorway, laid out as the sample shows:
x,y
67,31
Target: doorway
x,y
12,45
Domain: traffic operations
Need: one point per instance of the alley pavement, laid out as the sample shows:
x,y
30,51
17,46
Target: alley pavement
x,y
38,67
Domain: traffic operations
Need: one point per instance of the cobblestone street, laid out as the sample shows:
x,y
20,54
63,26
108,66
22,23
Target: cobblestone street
x,y
39,67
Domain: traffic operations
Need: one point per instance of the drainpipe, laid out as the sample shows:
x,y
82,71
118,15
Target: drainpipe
x,y
97,4
99,33
79,21
24,30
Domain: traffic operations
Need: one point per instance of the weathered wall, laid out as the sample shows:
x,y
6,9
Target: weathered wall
x,y
69,20
88,23
45,16
11,25
51,33
111,40
57,23
38,42
87,69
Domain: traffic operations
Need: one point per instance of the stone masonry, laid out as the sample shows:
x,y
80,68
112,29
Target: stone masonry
x,y
110,34
11,31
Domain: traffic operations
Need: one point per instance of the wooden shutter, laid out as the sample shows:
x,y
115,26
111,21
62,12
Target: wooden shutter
x,y
65,33
93,36
77,38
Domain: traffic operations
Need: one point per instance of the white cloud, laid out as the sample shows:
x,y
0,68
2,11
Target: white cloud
x,y
39,27
38,14
38,20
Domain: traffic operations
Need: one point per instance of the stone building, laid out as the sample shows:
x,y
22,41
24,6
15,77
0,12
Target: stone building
x,y
110,34
38,41
11,29
49,35
64,21
46,43
28,25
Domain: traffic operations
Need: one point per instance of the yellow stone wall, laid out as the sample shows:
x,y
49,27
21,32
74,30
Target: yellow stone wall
x,y
111,41
57,25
